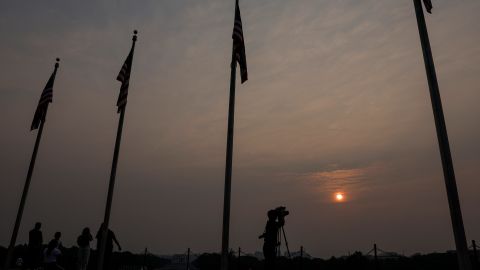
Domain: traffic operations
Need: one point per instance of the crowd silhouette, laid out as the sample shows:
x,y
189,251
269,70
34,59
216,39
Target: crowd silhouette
x,y
41,256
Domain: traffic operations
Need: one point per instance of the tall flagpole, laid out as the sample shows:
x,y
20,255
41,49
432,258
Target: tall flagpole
x,y
238,55
111,185
447,164
26,187
228,167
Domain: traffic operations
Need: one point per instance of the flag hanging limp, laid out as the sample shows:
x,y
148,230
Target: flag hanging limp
x,y
239,44
428,5
124,77
45,98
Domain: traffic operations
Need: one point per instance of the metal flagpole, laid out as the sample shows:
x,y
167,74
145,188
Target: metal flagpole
x,y
106,219
238,55
447,164
26,187
24,197
228,167
111,185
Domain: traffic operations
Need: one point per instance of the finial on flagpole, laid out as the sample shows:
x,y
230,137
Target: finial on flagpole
x,y
57,63
135,32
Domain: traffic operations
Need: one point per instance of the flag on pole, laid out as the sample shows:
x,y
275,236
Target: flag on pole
x,y
428,5
239,44
45,98
124,78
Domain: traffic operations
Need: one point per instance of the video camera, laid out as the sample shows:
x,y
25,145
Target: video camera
x,y
280,212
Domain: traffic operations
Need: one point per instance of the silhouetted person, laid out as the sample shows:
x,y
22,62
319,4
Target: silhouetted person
x,y
108,247
56,239
83,242
35,250
50,256
276,219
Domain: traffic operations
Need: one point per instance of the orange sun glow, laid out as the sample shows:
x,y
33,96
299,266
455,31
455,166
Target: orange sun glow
x,y
339,197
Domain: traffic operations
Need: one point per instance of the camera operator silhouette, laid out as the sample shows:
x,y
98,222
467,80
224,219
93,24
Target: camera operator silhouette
x,y
276,220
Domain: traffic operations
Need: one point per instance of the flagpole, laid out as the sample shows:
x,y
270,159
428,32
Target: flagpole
x,y
111,185
26,187
447,163
228,167
24,197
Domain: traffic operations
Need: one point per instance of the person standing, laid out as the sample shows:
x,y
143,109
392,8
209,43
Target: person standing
x,y
50,256
35,242
108,246
56,239
276,219
83,242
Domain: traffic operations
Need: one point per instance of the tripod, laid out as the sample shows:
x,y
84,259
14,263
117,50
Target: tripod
x,y
279,241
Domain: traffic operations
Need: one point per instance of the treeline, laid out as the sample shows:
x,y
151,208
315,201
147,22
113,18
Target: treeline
x,y
211,261
356,261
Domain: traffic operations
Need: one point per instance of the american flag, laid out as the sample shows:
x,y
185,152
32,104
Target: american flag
x,y
45,98
239,44
428,5
124,77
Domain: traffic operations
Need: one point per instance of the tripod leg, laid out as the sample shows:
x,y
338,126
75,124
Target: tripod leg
x,y
279,241
286,242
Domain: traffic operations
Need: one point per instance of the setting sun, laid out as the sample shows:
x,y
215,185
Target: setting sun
x,y
339,197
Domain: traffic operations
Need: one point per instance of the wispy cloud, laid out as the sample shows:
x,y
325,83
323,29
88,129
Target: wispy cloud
x,y
356,181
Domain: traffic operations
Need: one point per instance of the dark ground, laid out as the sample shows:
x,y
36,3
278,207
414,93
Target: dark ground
x,y
356,261
209,261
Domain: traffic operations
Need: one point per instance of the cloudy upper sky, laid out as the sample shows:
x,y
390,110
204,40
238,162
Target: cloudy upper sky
x,y
336,101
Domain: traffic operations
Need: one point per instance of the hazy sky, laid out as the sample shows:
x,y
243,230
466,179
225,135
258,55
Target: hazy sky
x,y
336,100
